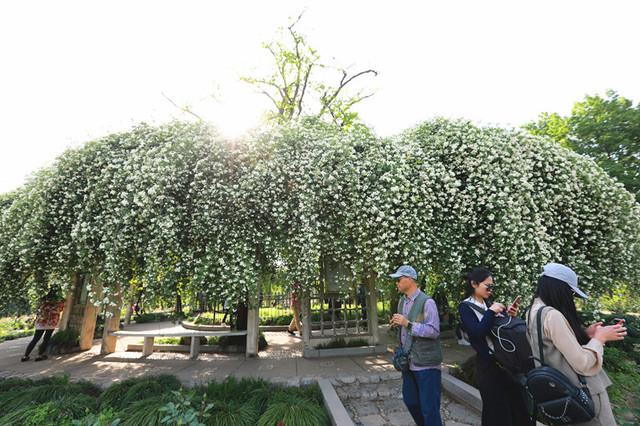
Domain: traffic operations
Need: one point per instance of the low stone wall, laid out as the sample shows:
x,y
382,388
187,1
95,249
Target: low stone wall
x,y
230,349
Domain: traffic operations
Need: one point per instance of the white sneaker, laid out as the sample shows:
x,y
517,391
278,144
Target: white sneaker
x,y
463,342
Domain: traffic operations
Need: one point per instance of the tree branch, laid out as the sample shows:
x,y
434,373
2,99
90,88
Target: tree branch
x,y
183,109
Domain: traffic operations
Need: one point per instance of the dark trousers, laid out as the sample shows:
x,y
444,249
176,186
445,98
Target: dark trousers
x,y
421,394
503,401
45,342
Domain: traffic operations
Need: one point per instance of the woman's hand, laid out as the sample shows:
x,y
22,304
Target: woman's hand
x,y
497,307
591,330
610,333
513,310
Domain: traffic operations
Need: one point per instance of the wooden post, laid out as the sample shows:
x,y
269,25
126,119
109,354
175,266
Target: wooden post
x,y
306,321
372,310
68,303
253,329
195,347
88,328
147,349
112,323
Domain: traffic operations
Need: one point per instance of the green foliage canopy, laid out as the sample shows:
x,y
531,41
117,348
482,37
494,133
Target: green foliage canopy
x,y
606,129
179,209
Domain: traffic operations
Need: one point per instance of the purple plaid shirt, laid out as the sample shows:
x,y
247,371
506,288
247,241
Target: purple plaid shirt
x,y
430,327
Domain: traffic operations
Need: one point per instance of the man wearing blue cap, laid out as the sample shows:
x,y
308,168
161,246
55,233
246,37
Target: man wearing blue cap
x,y
419,336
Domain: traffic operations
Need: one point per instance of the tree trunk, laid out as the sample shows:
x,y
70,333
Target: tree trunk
x,y
242,319
178,304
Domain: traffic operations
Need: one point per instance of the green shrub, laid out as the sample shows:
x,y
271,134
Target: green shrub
x,y
62,379
113,396
342,343
286,409
142,390
279,320
64,340
187,340
106,417
622,298
145,412
206,318
167,341
120,395
54,412
14,382
18,397
186,408
233,413
154,317
225,341
250,390
87,388
15,335
311,392
155,400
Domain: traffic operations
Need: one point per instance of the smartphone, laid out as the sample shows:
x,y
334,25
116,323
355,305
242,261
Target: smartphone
x,y
515,303
617,321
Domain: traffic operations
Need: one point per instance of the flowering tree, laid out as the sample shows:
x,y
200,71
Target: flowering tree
x,y
176,210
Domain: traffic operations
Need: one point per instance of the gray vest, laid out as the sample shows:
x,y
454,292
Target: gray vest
x,y
424,352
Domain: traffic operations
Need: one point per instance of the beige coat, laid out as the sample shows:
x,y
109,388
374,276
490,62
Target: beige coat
x,y
563,352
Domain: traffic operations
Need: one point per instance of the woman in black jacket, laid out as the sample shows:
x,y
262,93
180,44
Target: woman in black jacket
x,y
503,400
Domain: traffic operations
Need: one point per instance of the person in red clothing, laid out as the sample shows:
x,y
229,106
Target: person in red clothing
x,y
295,309
46,321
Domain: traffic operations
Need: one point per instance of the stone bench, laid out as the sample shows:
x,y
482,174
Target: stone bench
x,y
150,335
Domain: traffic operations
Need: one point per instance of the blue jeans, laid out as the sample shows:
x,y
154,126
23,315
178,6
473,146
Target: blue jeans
x,y
421,395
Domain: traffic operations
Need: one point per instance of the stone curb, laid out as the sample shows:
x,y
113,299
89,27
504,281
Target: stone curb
x,y
337,413
355,351
464,393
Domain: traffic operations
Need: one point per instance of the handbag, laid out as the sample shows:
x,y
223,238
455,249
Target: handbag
x,y
556,399
400,358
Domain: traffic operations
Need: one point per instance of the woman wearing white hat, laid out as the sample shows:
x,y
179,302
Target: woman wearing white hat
x,y
567,346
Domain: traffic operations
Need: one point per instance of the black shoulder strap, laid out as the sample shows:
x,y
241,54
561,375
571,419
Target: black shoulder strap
x,y
539,325
474,306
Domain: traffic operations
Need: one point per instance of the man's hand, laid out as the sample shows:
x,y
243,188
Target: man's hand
x,y
398,319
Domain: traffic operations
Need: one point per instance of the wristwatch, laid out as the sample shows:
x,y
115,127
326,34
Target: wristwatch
x,y
409,326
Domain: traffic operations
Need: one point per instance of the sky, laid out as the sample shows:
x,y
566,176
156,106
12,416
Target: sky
x,y
73,71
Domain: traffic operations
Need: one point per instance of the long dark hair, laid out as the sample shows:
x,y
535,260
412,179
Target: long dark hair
x,y
476,275
557,294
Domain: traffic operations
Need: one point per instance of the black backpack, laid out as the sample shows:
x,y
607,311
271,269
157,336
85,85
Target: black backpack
x,y
511,348
556,399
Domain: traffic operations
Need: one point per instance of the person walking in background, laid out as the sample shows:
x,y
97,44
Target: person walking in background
x,y
46,321
503,401
566,345
295,310
419,335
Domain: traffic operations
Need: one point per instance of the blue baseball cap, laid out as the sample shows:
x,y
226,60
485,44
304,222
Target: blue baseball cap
x,y
564,274
405,271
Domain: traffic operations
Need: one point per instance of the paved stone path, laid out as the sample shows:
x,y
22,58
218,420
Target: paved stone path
x,y
376,400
